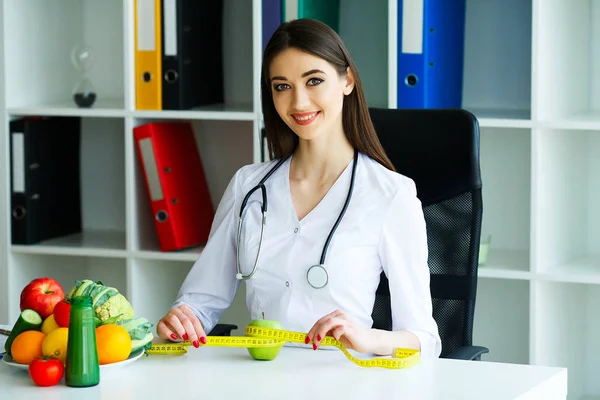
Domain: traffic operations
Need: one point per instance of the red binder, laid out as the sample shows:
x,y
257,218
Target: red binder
x,y
176,185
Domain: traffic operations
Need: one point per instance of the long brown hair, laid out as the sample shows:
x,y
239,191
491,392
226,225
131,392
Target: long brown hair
x,y
318,39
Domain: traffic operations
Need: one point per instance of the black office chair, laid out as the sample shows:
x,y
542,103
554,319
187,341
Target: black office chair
x,y
439,150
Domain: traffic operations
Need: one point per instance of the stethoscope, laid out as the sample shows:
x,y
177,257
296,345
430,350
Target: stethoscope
x,y
317,275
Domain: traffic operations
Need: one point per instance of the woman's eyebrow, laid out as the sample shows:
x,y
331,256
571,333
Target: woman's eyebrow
x,y
307,73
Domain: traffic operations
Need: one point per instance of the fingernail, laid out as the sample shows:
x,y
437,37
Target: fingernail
x,y
185,336
318,338
203,340
173,336
195,343
307,340
314,346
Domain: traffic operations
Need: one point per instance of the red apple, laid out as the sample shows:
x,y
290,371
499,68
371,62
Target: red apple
x,y
41,295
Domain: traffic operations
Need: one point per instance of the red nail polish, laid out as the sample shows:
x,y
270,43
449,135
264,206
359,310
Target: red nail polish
x,y
195,343
173,336
314,346
307,340
185,336
318,338
203,340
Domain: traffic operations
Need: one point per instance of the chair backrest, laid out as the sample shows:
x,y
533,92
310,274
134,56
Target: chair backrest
x,y
439,150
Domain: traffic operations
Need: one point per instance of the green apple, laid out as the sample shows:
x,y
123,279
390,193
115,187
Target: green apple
x,y
265,353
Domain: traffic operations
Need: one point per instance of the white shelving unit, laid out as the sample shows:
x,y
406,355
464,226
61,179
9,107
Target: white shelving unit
x,y
532,77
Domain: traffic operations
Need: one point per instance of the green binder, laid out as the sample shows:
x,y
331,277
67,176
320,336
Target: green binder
x,y
326,11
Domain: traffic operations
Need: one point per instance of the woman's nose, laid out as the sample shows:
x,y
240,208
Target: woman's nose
x,y
300,99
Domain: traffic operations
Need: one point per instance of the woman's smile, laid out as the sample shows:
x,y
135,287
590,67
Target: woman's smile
x,y
305,118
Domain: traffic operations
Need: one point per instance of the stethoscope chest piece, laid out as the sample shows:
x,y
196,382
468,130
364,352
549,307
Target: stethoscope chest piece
x,y
317,276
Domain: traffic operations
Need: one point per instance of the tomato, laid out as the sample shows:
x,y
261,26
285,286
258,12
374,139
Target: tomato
x,y
46,371
62,311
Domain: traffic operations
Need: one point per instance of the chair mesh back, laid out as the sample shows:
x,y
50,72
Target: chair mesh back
x,y
449,230
450,225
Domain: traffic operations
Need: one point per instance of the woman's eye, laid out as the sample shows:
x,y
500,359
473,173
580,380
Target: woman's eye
x,y
314,81
281,86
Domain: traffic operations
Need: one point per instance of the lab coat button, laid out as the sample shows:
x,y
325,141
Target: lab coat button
x,y
287,283
296,230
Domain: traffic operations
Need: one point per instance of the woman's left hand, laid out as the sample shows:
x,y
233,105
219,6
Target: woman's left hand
x,y
344,329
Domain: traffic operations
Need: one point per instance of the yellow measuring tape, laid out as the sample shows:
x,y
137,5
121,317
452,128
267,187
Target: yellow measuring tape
x,y
266,337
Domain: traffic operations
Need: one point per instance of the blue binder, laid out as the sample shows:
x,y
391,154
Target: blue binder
x,y
272,17
430,53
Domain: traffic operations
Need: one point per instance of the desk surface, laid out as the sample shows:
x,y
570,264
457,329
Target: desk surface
x,y
297,373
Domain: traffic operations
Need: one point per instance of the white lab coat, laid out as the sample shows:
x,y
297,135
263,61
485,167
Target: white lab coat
x,y
383,230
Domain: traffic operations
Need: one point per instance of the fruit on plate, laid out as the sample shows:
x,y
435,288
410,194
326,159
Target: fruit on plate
x,y
28,320
41,295
113,343
265,353
140,332
27,346
62,312
46,371
109,305
55,344
49,325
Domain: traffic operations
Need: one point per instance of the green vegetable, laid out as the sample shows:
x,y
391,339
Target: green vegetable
x,y
116,306
29,320
109,305
139,330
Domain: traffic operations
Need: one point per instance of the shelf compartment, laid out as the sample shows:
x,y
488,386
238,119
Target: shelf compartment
x,y
102,194
568,192
505,158
49,31
497,59
567,330
367,44
501,321
23,268
224,146
237,60
157,283
568,44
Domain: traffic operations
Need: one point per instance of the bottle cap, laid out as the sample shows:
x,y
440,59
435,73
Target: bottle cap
x,y
81,301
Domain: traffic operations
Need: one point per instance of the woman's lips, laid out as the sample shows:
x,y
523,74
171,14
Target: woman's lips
x,y
305,118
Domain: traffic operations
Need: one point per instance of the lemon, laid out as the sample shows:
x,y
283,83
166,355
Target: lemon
x,y
55,344
49,325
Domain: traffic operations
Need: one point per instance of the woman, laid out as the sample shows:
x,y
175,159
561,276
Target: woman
x,y
330,182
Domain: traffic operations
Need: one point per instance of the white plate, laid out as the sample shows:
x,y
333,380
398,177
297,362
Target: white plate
x,y
9,361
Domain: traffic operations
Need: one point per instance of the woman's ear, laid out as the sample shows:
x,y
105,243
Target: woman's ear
x,y
349,82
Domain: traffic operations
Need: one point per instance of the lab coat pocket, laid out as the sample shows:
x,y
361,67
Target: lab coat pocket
x,y
353,262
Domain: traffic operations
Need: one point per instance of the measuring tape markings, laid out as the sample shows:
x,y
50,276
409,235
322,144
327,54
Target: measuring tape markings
x,y
266,337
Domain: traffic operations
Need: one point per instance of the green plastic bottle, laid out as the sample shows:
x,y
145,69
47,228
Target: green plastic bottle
x,y
82,367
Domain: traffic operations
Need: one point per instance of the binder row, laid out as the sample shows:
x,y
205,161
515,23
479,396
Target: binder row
x,y
178,54
45,157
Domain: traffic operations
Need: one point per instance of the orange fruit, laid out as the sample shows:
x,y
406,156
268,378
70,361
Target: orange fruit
x,y
27,346
55,344
113,343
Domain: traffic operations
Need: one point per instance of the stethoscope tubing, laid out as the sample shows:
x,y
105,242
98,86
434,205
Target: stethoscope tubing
x,y
261,186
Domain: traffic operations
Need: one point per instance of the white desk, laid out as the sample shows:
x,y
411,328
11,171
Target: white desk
x,y
297,373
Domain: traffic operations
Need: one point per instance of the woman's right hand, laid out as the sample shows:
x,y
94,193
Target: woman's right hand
x,y
181,323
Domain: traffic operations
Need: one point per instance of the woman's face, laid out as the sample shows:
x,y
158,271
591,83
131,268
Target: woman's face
x,y
308,93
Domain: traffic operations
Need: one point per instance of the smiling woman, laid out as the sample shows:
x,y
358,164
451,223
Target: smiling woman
x,y
338,215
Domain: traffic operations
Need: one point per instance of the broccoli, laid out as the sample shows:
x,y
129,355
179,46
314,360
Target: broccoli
x,y
116,306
